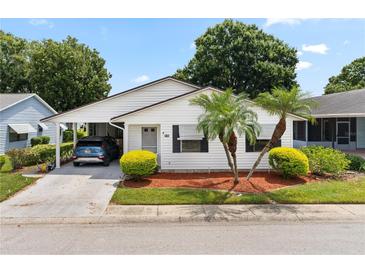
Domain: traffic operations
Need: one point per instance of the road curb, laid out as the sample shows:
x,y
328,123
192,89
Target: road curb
x,y
116,214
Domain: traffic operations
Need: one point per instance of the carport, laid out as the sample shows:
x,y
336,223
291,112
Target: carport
x,y
92,129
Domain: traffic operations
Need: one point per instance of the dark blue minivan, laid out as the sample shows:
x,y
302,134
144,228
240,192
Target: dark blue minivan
x,y
95,149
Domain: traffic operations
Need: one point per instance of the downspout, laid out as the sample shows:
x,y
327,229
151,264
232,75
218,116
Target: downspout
x,y
114,125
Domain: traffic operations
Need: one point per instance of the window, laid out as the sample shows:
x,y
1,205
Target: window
x,y
259,145
15,137
299,130
186,139
190,145
314,131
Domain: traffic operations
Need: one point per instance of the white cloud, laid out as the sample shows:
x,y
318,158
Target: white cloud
x,y
346,42
41,22
287,21
303,65
319,48
140,79
299,53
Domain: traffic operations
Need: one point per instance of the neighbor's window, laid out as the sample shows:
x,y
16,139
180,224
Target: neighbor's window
x,y
190,145
14,137
259,145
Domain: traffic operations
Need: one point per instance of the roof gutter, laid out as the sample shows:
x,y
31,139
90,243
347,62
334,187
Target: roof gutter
x,y
114,125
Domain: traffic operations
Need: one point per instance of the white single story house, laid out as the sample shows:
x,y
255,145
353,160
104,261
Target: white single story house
x,y
159,117
340,122
20,115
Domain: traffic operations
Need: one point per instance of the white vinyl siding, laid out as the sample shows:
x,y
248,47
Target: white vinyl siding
x,y
103,111
179,112
29,111
360,132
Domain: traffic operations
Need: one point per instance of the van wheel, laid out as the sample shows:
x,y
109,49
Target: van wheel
x,y
76,164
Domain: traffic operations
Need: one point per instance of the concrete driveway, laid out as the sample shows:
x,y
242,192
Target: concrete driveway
x,y
66,192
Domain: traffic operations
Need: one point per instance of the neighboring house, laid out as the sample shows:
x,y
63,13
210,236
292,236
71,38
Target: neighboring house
x,y
158,117
340,122
20,116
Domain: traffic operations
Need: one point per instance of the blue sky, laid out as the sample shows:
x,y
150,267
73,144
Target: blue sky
x,y
141,50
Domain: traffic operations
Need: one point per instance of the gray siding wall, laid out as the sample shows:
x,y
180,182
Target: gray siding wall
x,y
29,111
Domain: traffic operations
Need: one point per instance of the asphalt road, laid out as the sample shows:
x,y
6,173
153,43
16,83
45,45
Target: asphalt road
x,y
202,238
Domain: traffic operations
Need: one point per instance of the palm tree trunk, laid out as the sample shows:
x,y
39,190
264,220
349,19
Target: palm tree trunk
x,y
230,163
236,178
278,132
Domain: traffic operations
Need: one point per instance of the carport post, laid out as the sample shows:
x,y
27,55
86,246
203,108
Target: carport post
x,y
74,128
58,149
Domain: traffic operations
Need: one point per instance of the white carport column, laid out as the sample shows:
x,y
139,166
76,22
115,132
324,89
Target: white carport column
x,y
58,148
74,128
125,139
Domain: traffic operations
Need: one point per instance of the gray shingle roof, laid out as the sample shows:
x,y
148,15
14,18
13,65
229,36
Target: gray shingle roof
x,y
8,99
349,102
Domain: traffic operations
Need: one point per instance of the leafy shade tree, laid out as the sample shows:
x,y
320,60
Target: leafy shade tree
x,y
67,74
225,116
352,76
14,63
281,103
240,56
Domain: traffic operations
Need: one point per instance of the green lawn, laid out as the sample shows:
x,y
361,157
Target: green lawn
x,y
179,196
313,193
11,183
330,192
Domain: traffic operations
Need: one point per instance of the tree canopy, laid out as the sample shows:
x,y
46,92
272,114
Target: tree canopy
x,y
65,74
240,56
352,76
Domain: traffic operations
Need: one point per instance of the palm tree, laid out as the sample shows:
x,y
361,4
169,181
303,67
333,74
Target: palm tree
x,y
280,103
225,116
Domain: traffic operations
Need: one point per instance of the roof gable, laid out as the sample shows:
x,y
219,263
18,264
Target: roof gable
x,y
119,103
9,100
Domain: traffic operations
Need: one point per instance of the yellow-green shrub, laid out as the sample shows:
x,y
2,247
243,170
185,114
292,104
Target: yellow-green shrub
x,y
289,161
326,160
138,163
5,164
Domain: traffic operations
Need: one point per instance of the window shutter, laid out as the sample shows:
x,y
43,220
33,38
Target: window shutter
x,y
204,145
175,141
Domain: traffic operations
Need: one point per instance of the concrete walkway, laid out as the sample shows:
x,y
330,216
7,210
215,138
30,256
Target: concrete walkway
x,y
70,192
116,214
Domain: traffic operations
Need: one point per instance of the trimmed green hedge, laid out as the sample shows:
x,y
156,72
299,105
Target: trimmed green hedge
x,y
39,140
326,160
357,163
68,135
138,163
289,161
38,154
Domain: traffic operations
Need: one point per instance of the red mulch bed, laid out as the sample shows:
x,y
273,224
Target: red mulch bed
x,y
260,181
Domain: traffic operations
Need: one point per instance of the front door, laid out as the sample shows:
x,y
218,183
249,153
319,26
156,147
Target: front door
x,y
149,139
343,133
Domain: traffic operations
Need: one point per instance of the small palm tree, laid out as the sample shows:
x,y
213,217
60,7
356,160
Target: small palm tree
x,y
282,102
226,115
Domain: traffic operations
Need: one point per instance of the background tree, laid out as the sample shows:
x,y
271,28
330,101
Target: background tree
x,y
224,117
280,103
14,62
352,76
240,56
65,74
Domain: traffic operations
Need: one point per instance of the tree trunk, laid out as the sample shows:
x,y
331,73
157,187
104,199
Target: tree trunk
x,y
232,145
278,132
230,163
230,149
